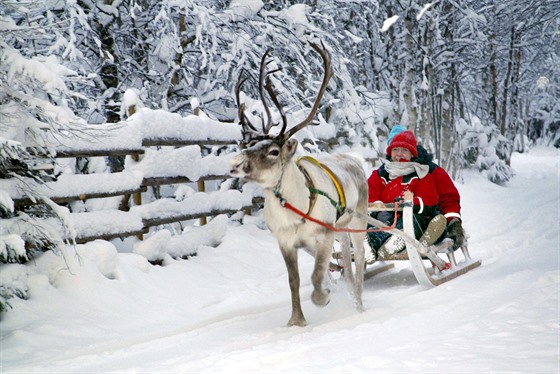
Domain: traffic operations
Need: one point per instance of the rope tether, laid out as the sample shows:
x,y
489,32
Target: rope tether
x,y
289,206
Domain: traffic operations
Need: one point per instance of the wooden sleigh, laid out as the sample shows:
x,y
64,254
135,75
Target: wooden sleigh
x,y
427,262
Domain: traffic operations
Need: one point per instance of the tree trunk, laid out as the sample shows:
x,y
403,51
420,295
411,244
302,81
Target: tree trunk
x,y
109,74
448,134
493,104
516,123
185,41
410,114
507,83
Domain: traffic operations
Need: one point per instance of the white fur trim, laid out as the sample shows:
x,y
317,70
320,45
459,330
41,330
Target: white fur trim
x,y
450,215
421,205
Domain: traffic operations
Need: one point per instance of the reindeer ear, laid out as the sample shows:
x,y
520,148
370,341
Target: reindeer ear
x,y
290,147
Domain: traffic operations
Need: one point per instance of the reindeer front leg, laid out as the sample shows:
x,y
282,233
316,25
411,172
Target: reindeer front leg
x,y
321,296
291,259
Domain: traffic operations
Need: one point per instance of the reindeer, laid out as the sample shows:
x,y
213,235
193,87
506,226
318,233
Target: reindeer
x,y
326,190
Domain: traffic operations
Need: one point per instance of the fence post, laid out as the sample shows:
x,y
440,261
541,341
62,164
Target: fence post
x,y
202,188
137,196
200,184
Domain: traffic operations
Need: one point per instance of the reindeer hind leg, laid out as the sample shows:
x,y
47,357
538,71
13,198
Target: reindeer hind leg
x,y
359,261
348,273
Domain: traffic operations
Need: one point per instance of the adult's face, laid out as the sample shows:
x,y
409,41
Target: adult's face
x,y
399,154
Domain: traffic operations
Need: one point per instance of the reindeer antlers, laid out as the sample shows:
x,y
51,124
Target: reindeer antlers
x,y
265,83
326,77
245,123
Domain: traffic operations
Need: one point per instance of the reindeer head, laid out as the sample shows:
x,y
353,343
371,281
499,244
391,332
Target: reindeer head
x,y
263,155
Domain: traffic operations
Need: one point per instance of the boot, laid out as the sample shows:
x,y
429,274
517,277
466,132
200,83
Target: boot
x,y
435,229
394,244
455,231
370,253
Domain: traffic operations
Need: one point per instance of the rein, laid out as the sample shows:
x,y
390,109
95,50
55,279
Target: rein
x,y
289,206
340,205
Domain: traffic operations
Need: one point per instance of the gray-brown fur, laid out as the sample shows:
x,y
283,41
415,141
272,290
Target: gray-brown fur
x,y
272,166
270,162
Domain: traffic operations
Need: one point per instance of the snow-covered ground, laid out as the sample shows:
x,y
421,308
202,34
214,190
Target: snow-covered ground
x,y
98,310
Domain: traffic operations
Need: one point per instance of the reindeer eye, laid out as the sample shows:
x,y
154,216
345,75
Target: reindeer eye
x,y
274,153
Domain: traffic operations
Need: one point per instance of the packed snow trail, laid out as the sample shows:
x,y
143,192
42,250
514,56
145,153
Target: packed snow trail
x,y
226,309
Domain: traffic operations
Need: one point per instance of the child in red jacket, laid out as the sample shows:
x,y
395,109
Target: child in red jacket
x,y
402,177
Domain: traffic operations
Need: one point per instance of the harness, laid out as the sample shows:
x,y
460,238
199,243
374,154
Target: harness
x,y
340,205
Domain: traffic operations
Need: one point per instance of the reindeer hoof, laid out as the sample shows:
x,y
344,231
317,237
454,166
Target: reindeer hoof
x,y
359,306
301,322
321,298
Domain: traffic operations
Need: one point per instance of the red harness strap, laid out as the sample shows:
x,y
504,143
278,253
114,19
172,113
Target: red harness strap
x,y
289,206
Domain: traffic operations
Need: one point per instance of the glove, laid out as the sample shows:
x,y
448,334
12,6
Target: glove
x,y
455,231
385,217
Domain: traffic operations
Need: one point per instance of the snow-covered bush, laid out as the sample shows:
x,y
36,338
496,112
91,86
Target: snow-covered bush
x,y
34,103
485,149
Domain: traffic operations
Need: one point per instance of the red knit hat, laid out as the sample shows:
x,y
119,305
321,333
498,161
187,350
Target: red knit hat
x,y
405,139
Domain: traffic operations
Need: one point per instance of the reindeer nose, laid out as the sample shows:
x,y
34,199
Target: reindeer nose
x,y
234,164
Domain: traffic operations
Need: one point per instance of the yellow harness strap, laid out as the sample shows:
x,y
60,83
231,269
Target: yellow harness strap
x,y
336,182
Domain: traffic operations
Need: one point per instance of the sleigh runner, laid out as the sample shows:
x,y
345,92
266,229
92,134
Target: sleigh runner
x,y
428,266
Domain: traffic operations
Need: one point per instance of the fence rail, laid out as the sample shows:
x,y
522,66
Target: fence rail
x,y
127,220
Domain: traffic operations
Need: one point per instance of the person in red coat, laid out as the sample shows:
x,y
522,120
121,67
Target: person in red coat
x,y
403,177
449,203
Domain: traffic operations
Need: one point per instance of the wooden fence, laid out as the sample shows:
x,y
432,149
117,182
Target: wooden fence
x,y
134,218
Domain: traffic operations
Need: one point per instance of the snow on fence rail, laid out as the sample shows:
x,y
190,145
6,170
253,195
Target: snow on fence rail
x,y
178,159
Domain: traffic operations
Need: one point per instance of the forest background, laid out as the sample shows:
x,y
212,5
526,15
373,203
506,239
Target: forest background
x,y
484,72
475,80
